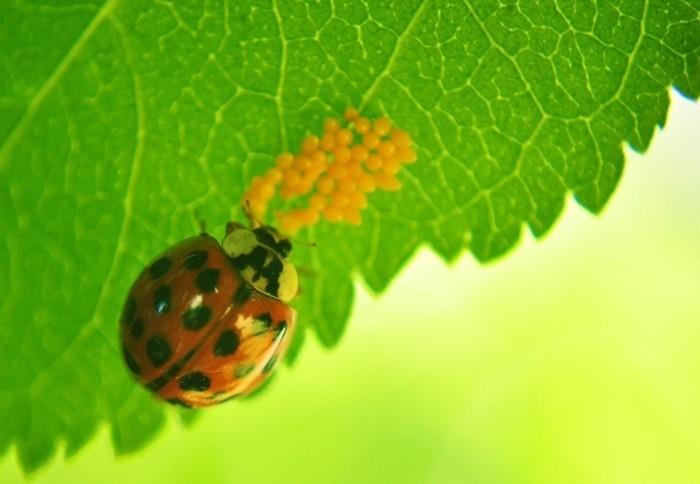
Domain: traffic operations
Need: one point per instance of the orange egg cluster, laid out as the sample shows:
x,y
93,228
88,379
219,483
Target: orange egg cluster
x,y
335,171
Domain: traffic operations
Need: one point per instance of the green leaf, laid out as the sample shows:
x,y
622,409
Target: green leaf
x,y
121,120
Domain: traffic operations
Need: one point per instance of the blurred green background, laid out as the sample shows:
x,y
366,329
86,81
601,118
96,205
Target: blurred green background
x,y
575,359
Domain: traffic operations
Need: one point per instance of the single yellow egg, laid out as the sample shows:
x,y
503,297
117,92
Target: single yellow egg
x,y
331,125
371,140
382,126
333,213
284,160
310,144
328,142
374,162
351,114
343,136
386,149
362,125
326,185
342,154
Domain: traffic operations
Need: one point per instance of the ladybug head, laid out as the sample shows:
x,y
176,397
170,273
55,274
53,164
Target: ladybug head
x,y
260,256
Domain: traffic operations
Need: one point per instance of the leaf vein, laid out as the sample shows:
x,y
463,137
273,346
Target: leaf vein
x,y
279,93
392,58
51,82
93,323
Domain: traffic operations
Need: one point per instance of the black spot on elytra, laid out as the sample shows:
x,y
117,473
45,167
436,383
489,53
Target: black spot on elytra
x,y
137,328
207,280
195,381
163,379
242,294
161,300
158,350
266,318
129,311
195,259
261,324
131,361
226,344
160,267
196,318
270,364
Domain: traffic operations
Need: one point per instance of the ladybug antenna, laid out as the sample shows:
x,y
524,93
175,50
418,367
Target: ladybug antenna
x,y
199,220
307,272
254,221
304,243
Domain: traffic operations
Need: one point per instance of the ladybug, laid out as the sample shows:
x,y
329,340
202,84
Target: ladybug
x,y
206,322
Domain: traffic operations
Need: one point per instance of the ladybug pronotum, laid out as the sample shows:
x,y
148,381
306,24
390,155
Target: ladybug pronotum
x,y
206,322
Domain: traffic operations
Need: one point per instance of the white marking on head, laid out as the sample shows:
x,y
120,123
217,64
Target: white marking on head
x,y
240,241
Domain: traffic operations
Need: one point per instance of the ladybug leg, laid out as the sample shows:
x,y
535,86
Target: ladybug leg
x,y
231,226
199,221
304,243
306,272
254,221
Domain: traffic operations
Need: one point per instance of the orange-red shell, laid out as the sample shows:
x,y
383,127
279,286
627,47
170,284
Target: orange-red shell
x,y
195,333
